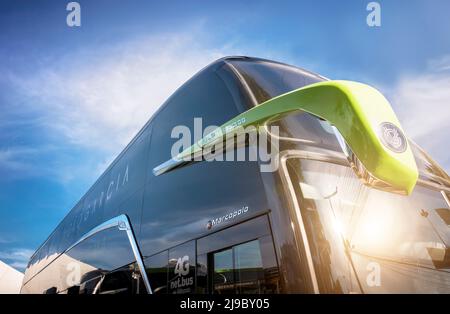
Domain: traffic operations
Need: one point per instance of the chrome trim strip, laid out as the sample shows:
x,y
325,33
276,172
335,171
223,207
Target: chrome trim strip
x,y
433,185
137,254
166,166
446,198
103,226
97,286
286,155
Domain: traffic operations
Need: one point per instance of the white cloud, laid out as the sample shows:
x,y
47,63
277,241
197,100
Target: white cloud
x,y
422,102
424,105
102,100
17,258
20,161
5,240
11,158
21,266
440,64
19,254
11,152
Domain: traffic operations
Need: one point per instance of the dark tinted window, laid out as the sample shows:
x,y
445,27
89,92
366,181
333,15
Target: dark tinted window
x,y
269,79
239,259
96,256
240,269
156,267
248,267
205,96
90,286
118,282
223,273
304,128
105,251
51,290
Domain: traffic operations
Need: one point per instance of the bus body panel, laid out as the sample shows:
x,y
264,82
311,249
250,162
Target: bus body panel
x,y
212,226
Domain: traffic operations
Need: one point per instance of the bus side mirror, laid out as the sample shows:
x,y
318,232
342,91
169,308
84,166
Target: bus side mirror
x,y
368,129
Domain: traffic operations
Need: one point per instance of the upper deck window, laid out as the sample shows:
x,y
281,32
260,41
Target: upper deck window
x,y
267,79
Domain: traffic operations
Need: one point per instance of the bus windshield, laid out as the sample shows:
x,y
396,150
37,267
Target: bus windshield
x,y
408,234
268,79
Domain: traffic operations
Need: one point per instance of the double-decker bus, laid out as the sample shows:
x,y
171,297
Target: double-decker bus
x,y
345,203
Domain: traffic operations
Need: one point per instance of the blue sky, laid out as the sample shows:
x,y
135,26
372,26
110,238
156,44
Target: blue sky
x,y
71,98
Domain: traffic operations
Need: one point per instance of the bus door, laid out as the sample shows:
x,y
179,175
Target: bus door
x,y
238,259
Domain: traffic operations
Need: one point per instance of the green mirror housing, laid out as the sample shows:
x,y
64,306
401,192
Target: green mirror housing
x,y
378,149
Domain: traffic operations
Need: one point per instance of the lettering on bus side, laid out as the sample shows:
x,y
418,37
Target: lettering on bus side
x,y
114,185
231,215
181,271
181,277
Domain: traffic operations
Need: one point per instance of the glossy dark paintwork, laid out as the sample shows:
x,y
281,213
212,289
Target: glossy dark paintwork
x,y
170,213
167,210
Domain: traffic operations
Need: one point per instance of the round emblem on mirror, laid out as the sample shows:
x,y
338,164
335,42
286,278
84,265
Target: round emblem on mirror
x,y
392,137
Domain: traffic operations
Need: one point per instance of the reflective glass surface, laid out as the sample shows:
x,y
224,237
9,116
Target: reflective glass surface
x,y
397,243
240,269
157,271
270,79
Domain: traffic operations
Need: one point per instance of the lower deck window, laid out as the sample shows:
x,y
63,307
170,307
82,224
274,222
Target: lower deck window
x,y
239,269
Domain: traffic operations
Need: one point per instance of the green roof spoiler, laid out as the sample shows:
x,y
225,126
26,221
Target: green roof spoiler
x,y
378,150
